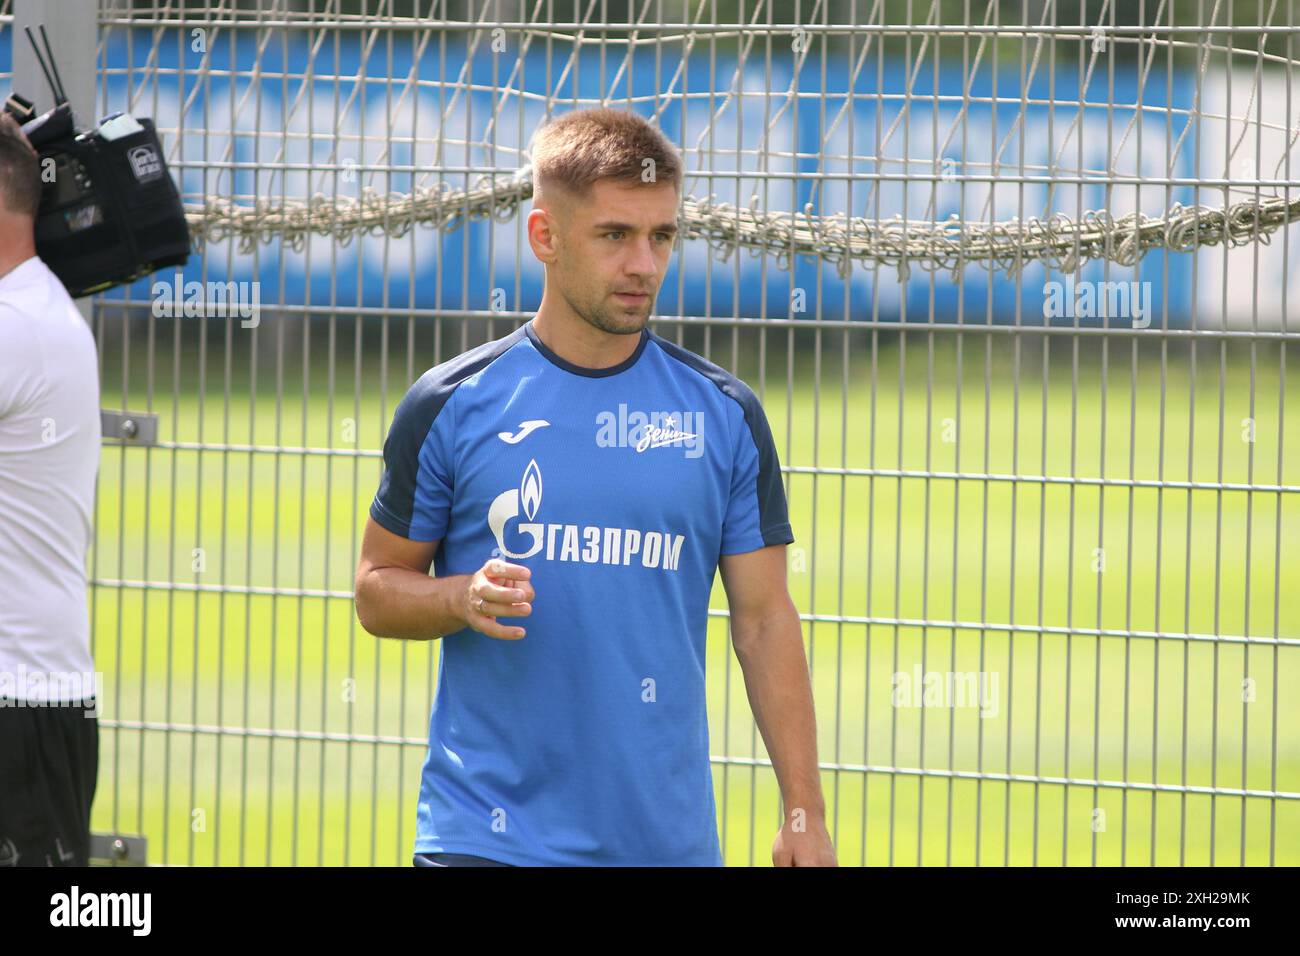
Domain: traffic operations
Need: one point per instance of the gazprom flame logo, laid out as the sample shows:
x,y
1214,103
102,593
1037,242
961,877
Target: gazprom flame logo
x,y
530,489
505,508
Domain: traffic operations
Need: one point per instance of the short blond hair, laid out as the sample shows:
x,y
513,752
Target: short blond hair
x,y
574,150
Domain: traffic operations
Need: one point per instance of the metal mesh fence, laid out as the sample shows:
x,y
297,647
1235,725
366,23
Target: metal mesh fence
x,y
1041,503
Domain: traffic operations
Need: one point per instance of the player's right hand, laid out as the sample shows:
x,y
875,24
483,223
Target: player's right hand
x,y
498,589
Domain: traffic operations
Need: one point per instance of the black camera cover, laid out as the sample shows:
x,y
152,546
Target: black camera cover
x,y
110,214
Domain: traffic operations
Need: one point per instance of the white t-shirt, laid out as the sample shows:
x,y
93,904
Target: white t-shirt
x,y
49,456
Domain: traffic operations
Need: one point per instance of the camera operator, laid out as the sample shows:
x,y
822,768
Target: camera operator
x,y
49,456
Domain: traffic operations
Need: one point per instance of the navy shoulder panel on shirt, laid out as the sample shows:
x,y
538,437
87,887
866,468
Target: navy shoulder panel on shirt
x,y
771,495
413,419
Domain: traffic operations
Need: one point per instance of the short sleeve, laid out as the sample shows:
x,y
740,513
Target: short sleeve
x,y
414,497
756,509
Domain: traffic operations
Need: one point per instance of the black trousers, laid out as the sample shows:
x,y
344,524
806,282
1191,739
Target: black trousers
x,y
49,759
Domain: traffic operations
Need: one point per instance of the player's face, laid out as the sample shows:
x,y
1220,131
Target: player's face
x,y
616,251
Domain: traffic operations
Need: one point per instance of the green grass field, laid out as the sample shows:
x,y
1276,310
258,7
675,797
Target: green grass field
x,y
299,673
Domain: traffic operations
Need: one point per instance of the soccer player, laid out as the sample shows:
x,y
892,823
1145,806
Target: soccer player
x,y
49,456
576,485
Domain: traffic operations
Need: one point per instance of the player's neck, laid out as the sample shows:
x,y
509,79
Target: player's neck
x,y
580,343
16,248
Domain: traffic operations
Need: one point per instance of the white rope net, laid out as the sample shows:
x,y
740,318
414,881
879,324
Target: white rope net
x,y
1257,202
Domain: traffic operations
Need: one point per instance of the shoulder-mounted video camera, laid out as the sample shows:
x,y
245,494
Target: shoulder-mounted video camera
x,y
110,212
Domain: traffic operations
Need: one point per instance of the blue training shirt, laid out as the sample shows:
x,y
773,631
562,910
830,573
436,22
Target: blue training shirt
x,y
586,742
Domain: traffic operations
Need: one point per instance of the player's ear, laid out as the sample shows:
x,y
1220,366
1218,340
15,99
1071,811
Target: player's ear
x,y
543,235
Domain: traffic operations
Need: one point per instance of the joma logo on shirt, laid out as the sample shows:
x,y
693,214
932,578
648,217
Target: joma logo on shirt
x,y
588,544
